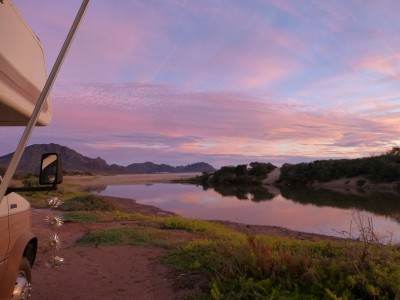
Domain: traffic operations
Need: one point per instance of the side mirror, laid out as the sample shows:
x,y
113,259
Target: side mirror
x,y
50,169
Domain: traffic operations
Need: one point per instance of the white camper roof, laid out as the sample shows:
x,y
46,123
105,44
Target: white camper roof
x,y
22,70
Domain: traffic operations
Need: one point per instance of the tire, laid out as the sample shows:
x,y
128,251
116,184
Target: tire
x,y
22,289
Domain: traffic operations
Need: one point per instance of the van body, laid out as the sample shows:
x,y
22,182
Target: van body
x,y
22,77
18,247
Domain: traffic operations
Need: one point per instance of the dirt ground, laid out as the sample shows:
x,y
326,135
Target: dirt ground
x,y
116,272
102,272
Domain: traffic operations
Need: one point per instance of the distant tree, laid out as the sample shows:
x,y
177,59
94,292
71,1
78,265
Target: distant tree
x,y
223,176
260,170
240,170
395,151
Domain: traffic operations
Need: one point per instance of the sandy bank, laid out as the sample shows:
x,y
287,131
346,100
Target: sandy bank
x,y
88,182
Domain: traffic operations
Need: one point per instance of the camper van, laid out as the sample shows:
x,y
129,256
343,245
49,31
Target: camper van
x,y
24,101
22,77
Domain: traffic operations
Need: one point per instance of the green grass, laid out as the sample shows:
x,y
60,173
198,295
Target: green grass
x,y
138,236
193,225
83,217
39,199
176,223
87,202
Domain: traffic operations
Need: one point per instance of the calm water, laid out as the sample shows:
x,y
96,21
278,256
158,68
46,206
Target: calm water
x,y
323,212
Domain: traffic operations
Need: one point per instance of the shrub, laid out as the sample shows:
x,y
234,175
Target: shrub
x,y
30,181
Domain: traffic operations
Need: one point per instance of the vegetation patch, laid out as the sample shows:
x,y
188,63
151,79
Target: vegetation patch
x,y
261,267
138,236
118,215
100,216
83,217
87,202
38,199
211,229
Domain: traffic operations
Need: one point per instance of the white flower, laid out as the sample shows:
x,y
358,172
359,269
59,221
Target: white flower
x,y
54,221
54,202
54,242
54,262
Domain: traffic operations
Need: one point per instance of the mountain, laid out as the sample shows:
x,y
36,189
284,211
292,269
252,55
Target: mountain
x,y
76,162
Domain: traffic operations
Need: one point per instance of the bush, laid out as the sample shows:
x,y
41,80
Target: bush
x,y
30,181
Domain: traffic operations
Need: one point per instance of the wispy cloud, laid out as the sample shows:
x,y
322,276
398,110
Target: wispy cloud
x,y
168,120
224,81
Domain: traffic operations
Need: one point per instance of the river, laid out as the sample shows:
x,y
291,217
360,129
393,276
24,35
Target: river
x,y
323,212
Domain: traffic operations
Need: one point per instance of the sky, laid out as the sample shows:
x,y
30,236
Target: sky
x,y
221,81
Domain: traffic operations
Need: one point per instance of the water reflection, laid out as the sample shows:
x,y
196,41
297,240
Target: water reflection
x,y
385,204
256,193
317,211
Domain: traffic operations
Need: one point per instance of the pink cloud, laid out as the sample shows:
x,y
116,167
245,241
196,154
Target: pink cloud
x,y
386,64
165,119
244,61
258,79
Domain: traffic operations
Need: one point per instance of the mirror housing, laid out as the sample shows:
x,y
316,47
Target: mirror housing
x,y
50,169
50,174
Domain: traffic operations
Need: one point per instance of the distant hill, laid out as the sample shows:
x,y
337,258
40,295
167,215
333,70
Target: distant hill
x,y
76,162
